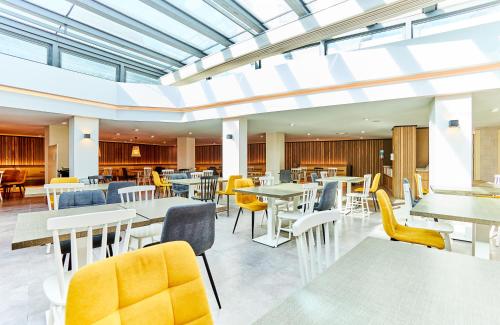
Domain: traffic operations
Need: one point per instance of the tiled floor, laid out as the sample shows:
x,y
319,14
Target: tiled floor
x,y
251,278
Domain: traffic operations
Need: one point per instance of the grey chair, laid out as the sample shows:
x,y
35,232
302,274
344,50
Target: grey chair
x,y
328,197
95,179
314,177
195,224
285,176
113,187
179,190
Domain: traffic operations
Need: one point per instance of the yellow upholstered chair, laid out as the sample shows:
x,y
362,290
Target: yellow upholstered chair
x,y
160,184
160,284
228,191
247,201
407,234
373,189
420,188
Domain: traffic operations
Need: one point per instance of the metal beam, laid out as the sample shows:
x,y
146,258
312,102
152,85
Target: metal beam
x,y
89,30
122,19
299,7
188,20
238,14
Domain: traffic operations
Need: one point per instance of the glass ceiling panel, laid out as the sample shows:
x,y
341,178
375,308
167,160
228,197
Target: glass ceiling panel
x,y
149,16
60,6
28,19
111,27
317,5
208,15
266,10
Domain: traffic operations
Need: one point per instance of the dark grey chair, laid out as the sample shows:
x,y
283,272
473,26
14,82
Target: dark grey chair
x,y
95,179
112,196
179,190
195,224
314,177
328,197
285,176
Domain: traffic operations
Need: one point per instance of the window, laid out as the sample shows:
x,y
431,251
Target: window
x,y
364,40
455,21
22,48
85,64
140,77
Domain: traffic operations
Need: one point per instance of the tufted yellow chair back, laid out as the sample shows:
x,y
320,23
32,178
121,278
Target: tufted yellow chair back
x,y
231,183
244,198
375,183
388,220
160,284
60,180
156,179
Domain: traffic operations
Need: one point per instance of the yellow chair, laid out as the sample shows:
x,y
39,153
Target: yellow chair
x,y
407,234
160,284
373,189
247,201
160,183
421,191
61,180
228,191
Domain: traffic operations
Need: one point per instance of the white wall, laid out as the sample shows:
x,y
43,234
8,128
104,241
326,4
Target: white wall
x,y
186,153
450,149
83,153
234,151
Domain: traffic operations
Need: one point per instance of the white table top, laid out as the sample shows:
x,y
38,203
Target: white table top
x,y
191,181
384,282
346,179
155,210
280,191
33,191
468,208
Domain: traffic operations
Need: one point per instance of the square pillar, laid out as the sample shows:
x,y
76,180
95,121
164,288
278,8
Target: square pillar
x,y
186,153
275,153
234,147
404,165
450,148
83,151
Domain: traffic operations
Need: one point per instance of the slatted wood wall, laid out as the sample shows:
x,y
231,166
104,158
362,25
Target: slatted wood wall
x,y
361,155
21,151
209,154
404,142
117,153
256,154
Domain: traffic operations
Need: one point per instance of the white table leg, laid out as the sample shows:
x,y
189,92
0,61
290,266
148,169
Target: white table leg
x,y
191,191
480,241
269,238
340,199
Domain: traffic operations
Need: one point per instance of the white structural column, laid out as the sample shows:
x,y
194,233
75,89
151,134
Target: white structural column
x,y
234,147
56,137
275,153
186,153
83,152
450,148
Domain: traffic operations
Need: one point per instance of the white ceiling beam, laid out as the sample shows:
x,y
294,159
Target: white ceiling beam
x,y
238,14
298,7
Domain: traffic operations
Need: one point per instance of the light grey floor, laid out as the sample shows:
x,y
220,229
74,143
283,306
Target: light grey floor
x,y
251,278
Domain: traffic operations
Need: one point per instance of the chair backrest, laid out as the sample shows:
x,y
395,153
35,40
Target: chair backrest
x,y
156,178
309,191
408,197
194,223
230,183
108,171
388,219
112,195
332,171
58,180
52,192
266,180
82,198
196,174
94,179
135,193
314,177
163,281
497,179
328,197
147,172
244,198
179,187
1,175
212,168
375,183
296,173
208,172
88,222
314,254
418,183
125,172
208,187
167,172
367,178
323,174
285,176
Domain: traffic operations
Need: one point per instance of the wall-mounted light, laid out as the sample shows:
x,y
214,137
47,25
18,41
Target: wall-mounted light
x,y
229,136
453,124
86,136
136,152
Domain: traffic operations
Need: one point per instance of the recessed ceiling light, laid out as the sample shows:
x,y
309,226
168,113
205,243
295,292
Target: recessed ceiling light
x,y
308,134
152,136
340,133
64,123
317,139
366,119
376,121
292,124
190,132
362,131
261,135
136,130
131,140
495,110
361,137
164,142
117,134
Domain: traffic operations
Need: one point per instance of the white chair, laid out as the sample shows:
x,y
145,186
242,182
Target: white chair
x,y
312,233
269,180
56,287
208,172
1,174
444,228
108,173
497,180
323,174
307,206
139,194
55,190
197,175
296,174
332,171
358,202
146,178
420,189
166,172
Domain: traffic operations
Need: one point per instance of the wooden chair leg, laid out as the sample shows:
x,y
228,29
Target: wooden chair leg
x,y
212,283
237,217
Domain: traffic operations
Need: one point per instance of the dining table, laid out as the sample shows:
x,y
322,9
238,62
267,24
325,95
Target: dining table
x,y
192,183
37,191
481,212
478,188
349,180
283,191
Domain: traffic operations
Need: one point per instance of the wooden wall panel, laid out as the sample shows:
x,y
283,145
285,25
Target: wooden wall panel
x,y
209,154
117,153
21,151
256,154
404,139
361,155
422,147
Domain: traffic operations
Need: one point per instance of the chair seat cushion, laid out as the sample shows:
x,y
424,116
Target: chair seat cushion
x,y
254,206
223,192
419,236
